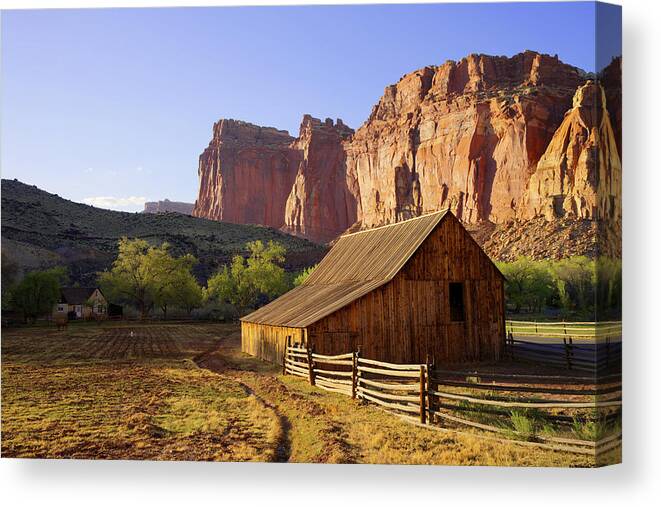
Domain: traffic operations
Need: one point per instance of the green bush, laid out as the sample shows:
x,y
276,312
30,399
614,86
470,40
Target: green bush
x,y
592,430
523,424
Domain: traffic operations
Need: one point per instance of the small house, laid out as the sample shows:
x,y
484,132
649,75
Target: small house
x,y
417,289
81,303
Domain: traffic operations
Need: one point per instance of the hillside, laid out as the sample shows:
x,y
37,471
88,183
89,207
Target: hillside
x,y
40,229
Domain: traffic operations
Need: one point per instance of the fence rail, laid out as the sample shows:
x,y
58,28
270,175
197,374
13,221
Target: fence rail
x,y
593,358
432,395
588,331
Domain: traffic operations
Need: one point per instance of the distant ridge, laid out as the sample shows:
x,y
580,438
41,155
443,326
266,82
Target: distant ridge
x,y
168,206
40,230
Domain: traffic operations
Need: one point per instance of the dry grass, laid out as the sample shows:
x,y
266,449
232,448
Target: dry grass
x,y
186,392
66,402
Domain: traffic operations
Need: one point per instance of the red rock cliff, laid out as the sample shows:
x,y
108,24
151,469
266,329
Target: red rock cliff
x,y
479,136
246,174
465,135
321,204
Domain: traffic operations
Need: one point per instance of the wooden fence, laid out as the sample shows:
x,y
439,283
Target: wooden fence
x,y
593,358
588,346
428,395
588,331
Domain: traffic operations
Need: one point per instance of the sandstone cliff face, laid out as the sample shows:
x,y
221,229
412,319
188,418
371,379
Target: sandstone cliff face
x,y
579,175
168,206
246,174
610,79
465,135
498,140
321,204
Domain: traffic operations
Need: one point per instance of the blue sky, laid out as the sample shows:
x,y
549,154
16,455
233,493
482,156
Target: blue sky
x,y
119,103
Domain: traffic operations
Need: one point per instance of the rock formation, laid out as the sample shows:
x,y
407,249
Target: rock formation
x,y
579,175
168,206
496,139
610,79
321,204
465,135
246,174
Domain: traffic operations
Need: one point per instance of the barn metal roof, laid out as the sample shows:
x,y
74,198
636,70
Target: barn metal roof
x,y
356,265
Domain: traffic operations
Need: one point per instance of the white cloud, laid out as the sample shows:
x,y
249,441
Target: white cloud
x,y
131,203
89,170
139,169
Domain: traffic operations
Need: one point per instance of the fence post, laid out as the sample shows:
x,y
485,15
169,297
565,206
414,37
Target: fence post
x,y
354,376
284,355
310,366
356,373
510,342
567,352
423,411
430,388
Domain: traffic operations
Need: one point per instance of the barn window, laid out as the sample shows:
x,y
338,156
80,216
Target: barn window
x,y
456,292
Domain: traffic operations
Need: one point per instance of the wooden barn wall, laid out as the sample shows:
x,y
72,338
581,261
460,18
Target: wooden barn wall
x,y
409,317
268,342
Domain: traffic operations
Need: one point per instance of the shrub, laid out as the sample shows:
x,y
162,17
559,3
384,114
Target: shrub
x,y
592,430
523,424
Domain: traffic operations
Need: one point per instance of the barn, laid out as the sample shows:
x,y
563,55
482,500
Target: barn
x,y
417,289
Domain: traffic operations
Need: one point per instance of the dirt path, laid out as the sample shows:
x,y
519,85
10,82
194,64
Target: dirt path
x,y
316,426
308,432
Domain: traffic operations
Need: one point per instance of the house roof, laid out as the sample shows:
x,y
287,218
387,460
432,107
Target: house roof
x,y
76,295
356,265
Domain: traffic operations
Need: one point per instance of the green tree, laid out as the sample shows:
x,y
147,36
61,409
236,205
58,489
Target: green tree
x,y
10,275
190,294
36,294
145,275
177,286
245,282
527,283
302,276
575,279
609,287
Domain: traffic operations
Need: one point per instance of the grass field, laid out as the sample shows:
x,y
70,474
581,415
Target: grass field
x,y
186,392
